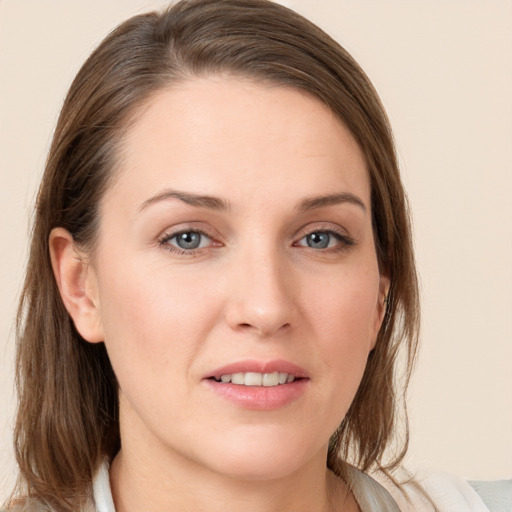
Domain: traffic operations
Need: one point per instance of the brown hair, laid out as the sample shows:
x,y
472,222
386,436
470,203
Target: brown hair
x,y
67,420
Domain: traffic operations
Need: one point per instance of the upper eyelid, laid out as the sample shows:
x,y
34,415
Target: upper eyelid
x,y
185,228
172,234
322,226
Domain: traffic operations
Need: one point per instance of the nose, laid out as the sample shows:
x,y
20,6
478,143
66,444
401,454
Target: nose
x,y
262,294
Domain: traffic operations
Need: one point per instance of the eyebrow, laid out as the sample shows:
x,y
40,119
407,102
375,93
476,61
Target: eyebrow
x,y
215,203
212,203
312,203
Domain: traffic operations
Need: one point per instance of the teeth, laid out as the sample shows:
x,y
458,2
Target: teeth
x,y
270,379
257,379
237,378
252,379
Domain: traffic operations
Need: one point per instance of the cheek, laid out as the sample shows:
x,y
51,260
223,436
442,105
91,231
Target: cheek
x,y
153,318
346,303
343,312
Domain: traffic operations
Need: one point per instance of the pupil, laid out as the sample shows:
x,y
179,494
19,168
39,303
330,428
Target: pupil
x,y
318,240
189,240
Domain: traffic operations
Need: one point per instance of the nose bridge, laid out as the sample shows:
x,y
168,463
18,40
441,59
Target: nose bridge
x,y
262,297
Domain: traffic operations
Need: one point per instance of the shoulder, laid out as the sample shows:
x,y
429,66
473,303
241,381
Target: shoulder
x,y
370,495
496,494
434,490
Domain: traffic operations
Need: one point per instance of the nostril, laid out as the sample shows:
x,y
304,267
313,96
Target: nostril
x,y
246,325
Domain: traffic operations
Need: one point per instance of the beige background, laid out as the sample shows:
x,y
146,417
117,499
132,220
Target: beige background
x,y
444,71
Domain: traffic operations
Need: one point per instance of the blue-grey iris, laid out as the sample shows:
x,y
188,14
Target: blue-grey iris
x,y
189,240
318,240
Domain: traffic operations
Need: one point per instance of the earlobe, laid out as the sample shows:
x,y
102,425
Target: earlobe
x,y
77,285
382,303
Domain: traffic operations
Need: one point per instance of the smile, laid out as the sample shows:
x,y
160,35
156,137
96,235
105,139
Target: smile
x,y
259,385
256,379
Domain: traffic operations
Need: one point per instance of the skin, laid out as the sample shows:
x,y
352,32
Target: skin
x,y
254,289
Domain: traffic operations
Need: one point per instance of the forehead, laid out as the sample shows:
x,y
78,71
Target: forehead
x,y
237,138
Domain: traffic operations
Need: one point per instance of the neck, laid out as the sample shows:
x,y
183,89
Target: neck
x,y
156,485
147,474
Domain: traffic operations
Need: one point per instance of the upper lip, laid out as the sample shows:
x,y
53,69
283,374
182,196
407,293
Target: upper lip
x,y
249,365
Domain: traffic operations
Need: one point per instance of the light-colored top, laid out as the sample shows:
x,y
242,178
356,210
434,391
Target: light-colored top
x,y
448,493
101,491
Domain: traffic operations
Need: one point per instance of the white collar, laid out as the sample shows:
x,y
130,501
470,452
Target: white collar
x,y
101,490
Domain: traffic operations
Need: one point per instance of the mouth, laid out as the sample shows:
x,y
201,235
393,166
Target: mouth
x,y
256,379
259,385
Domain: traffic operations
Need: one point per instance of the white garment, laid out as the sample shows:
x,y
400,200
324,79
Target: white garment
x,y
447,492
101,491
450,494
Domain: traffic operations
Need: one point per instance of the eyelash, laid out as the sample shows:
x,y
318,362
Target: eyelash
x,y
345,241
167,237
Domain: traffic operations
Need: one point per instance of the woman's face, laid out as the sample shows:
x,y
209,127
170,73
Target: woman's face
x,y
236,252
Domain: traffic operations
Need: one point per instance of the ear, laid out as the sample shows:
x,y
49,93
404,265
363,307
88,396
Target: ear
x,y
77,285
380,311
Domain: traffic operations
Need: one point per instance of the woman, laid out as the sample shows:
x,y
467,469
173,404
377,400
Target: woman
x,y
221,275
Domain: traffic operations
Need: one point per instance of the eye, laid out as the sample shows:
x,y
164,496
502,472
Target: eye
x,y
319,240
325,239
187,240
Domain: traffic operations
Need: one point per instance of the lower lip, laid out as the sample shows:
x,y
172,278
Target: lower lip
x,y
260,398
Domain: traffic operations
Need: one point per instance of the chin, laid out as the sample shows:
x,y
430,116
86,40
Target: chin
x,y
265,457
252,470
